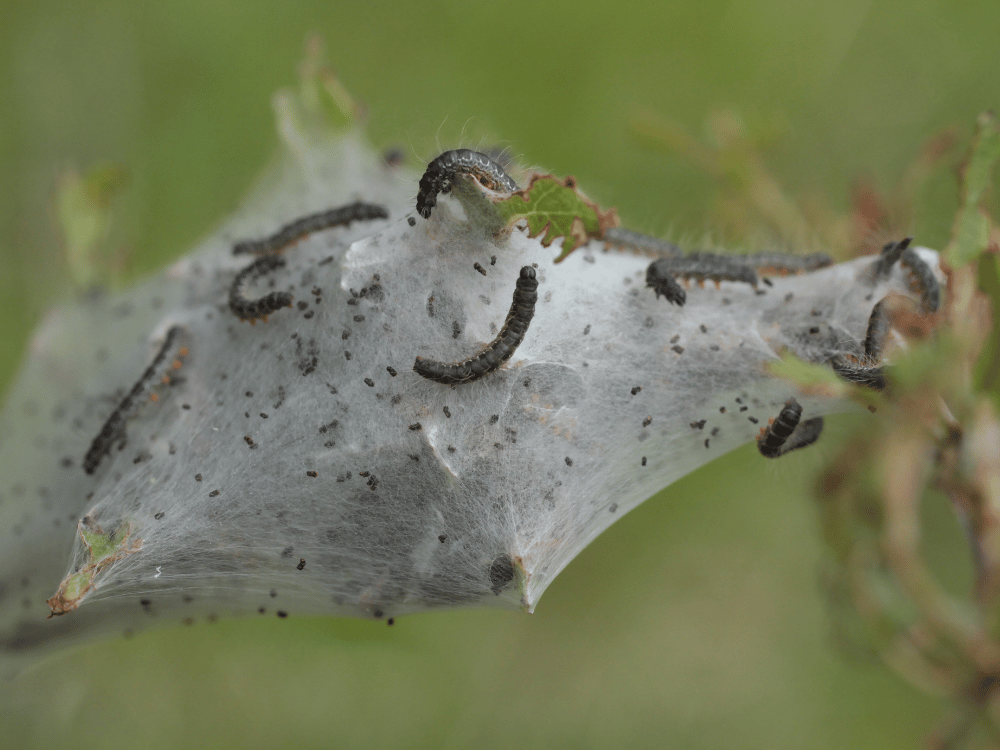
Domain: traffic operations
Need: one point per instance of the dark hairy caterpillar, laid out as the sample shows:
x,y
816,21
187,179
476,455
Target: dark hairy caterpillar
x,y
662,281
870,376
921,276
783,264
643,243
660,275
785,433
702,266
867,372
114,427
878,330
891,253
499,350
255,309
922,280
296,230
766,264
441,172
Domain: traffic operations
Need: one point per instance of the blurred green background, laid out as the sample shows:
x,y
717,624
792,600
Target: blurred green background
x,y
696,621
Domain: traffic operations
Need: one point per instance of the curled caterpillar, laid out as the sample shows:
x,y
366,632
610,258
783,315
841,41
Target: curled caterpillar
x,y
255,309
878,331
499,350
440,174
114,428
922,279
867,371
296,230
785,433
891,253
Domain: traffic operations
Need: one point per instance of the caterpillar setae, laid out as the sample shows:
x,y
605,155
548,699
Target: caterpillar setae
x,y
440,175
296,230
853,371
499,350
114,427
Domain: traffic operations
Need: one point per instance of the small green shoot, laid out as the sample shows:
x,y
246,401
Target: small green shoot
x,y
102,549
971,231
83,207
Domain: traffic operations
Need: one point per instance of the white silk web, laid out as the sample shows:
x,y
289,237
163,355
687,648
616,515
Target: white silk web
x,y
299,465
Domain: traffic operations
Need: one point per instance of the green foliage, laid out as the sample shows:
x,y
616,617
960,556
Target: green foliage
x,y
83,207
810,375
940,432
972,224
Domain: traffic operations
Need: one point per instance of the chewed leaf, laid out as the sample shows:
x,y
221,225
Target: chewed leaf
x,y
971,232
555,208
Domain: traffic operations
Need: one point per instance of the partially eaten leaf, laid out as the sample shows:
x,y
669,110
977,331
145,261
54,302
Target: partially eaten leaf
x,y
553,209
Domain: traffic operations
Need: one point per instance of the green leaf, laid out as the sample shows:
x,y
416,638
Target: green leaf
x,y
555,208
83,205
970,234
321,93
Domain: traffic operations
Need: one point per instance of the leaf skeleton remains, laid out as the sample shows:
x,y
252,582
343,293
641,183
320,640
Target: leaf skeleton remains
x,y
403,496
